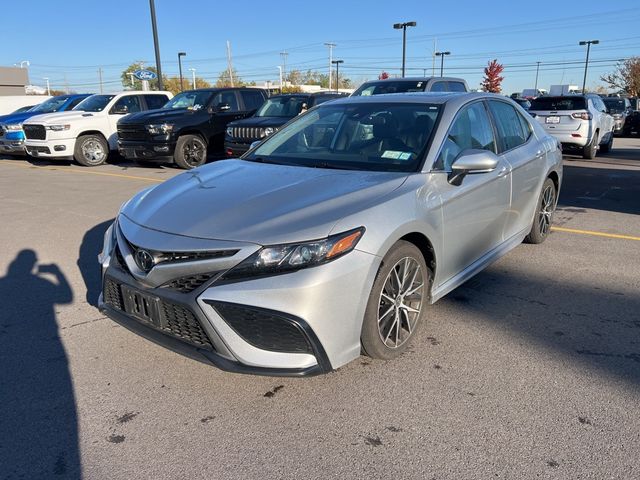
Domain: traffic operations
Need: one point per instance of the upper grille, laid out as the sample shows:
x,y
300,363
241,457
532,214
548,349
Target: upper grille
x,y
34,132
264,329
251,133
132,132
1,131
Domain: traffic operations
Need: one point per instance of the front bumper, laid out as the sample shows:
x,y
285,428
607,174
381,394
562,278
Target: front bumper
x,y
296,324
150,151
61,148
236,149
11,146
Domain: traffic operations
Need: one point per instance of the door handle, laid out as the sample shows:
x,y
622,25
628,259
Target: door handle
x,y
503,172
539,153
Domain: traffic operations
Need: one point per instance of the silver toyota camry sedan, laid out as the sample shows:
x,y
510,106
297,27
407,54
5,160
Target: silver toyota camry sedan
x,y
333,236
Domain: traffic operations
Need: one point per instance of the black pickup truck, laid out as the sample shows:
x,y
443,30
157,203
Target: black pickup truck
x,y
190,127
272,115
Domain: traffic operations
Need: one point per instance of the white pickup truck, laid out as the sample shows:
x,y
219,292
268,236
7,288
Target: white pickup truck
x,y
87,133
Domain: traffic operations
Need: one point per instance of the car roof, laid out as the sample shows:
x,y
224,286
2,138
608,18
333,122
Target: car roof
x,y
418,97
415,79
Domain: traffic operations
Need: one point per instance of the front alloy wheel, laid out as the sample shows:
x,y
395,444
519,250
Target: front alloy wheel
x,y
396,304
191,152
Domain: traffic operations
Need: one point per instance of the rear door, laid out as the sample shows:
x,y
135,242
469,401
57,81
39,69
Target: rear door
x,y
518,146
474,212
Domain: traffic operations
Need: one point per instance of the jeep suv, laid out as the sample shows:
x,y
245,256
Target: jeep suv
x,y
272,115
188,128
407,85
620,109
580,122
87,133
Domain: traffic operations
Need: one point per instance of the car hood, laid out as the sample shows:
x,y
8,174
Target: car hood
x,y
61,117
261,122
237,200
159,115
14,118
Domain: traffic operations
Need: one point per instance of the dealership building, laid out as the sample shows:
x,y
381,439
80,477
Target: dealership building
x,y
13,80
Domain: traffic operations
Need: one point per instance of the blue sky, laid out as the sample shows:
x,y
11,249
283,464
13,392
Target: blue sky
x,y
71,39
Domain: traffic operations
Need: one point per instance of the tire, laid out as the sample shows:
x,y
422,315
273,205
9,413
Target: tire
x,y
91,150
391,320
606,148
589,151
544,214
191,152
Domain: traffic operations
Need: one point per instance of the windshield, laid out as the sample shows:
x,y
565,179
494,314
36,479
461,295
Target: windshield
x,y
390,86
373,136
287,107
193,100
559,103
615,104
94,103
52,105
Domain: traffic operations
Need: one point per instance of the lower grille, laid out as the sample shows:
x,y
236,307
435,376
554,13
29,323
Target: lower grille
x,y
264,329
176,320
34,132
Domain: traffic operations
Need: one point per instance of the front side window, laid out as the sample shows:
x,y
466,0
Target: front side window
x,y
372,136
94,103
191,100
509,126
471,130
227,98
128,103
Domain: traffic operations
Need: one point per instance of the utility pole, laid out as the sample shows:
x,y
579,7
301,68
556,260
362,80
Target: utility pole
x,y
100,78
48,89
537,70
330,45
156,45
588,43
403,27
133,85
284,56
433,57
229,62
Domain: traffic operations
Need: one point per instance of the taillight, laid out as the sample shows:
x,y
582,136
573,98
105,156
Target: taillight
x,y
582,115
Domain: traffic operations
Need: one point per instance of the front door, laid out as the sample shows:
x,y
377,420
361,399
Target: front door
x,y
226,108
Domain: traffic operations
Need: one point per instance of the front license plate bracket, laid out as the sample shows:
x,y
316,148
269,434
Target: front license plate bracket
x,y
143,306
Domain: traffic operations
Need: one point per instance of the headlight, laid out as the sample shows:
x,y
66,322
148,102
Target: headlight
x,y
57,128
13,127
268,131
288,257
160,128
229,131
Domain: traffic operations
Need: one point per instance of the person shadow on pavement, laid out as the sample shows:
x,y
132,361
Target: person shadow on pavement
x,y
88,260
38,423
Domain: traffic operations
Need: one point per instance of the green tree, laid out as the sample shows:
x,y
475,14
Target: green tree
x,y
173,83
225,81
626,77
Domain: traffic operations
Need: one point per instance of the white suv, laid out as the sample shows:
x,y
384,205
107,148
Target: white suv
x,y
580,122
87,133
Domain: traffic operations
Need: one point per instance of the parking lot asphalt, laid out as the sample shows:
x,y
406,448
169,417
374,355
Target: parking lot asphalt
x,y
529,370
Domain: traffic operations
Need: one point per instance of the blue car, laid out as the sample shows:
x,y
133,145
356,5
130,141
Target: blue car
x,y
11,134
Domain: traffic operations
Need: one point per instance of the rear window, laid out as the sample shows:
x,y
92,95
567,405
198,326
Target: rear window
x,y
559,103
615,105
390,86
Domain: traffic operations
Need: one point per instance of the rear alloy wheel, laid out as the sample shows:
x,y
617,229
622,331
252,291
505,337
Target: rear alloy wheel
x,y
91,150
397,302
544,214
589,151
191,152
606,148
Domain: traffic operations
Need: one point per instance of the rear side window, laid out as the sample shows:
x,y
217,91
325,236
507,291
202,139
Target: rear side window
x,y
511,133
559,103
155,101
471,130
439,87
457,87
252,99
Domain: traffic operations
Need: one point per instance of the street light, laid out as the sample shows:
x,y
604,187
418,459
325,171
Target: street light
x,y
47,80
331,46
442,55
180,55
193,78
156,46
588,43
404,26
337,64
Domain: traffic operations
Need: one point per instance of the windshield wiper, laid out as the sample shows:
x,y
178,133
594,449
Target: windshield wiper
x,y
333,166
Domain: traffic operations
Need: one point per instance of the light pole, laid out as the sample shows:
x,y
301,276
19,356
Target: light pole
x,y
537,70
180,55
442,55
330,45
47,80
404,26
337,64
152,7
193,77
588,43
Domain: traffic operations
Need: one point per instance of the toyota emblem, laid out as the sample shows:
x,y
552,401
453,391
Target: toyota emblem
x,y
144,260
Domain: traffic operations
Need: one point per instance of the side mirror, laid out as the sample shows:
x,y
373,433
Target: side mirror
x,y
120,110
472,162
223,107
